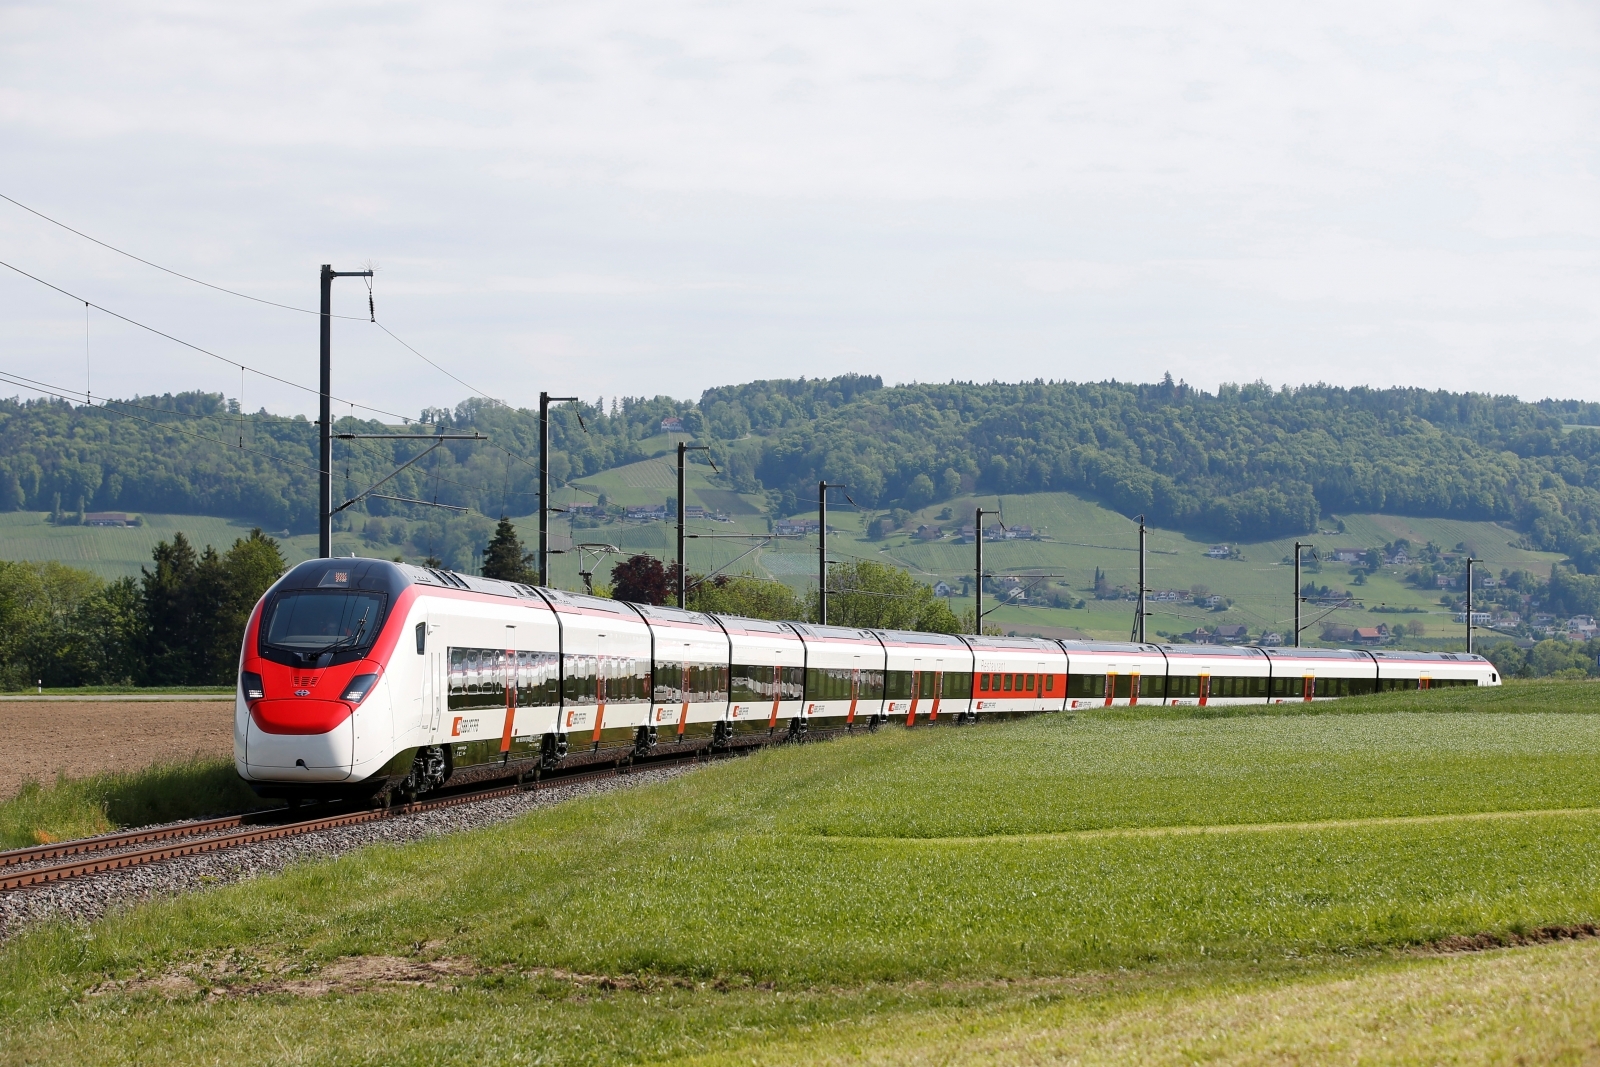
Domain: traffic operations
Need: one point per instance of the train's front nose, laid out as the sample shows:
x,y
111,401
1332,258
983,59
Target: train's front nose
x,y
305,734
300,740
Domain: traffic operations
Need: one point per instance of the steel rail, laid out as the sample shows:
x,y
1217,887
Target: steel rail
x,y
175,847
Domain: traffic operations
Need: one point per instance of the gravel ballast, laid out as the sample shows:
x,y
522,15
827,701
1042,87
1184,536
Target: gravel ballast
x,y
87,898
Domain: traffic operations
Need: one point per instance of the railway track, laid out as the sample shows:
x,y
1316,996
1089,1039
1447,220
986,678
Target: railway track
x,y
109,852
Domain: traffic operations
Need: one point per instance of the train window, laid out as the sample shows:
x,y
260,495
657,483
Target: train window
x,y
1183,685
668,683
928,680
422,638
318,622
1008,679
983,682
1049,683
870,686
1086,685
897,685
1152,686
1123,687
1030,683
957,685
753,683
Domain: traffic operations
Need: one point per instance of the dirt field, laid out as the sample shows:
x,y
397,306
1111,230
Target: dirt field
x,y
85,737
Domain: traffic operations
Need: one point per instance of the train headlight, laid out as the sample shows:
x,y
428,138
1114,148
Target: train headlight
x,y
359,687
250,686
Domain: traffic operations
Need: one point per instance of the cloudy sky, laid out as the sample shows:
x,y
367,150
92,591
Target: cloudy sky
x,y
602,198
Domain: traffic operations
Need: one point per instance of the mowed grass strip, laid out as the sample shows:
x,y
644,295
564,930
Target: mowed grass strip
x,y
746,872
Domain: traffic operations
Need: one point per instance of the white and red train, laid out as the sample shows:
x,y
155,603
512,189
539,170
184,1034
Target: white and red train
x,y
361,676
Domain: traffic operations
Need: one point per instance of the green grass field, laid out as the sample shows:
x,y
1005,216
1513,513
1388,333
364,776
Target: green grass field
x,y
1104,887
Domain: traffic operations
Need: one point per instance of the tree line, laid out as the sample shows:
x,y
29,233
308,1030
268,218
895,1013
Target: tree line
x,y
1244,462
179,623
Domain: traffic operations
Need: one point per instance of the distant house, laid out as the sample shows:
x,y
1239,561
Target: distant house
x,y
1443,581
1399,559
1348,555
928,533
1583,624
693,511
672,424
1200,637
943,589
647,513
966,536
1271,639
1479,618
1020,532
1232,633
794,527
1488,581
107,518
995,533
1219,551
1367,635
591,510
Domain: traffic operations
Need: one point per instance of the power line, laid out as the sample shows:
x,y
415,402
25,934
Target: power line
x,y
168,270
197,348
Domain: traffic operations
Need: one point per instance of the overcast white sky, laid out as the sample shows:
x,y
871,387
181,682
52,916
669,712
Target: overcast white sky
x,y
644,198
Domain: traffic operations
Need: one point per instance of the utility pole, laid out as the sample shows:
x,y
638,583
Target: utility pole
x,y
325,411
1297,547
545,400
1139,622
683,587
977,532
1470,562
822,547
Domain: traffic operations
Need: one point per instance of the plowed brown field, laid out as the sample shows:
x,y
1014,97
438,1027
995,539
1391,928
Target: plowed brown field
x,y
81,737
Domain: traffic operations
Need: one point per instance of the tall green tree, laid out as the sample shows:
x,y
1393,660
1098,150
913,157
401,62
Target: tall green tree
x,y
874,595
505,558
746,595
172,638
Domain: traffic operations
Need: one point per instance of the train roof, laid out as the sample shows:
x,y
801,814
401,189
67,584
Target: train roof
x,y
1123,647
662,613
832,633
917,637
1290,652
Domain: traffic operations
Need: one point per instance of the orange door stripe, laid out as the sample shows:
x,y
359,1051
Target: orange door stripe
x,y
938,694
1133,689
683,717
916,693
1205,688
855,694
511,706
1111,687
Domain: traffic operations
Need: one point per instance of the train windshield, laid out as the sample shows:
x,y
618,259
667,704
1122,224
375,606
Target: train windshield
x,y
313,622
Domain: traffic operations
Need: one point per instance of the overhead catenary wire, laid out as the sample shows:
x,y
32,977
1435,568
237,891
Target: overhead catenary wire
x,y
197,348
157,266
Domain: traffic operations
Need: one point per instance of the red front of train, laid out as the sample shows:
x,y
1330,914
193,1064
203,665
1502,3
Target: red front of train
x,y
314,715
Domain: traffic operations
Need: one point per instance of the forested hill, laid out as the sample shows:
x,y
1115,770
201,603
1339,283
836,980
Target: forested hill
x,y
1247,461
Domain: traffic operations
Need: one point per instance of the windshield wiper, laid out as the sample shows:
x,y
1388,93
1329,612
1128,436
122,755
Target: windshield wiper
x,y
329,650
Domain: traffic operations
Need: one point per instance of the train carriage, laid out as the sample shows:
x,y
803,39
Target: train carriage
x,y
1203,675
844,676
1014,675
605,676
1320,673
689,677
925,675
1398,670
1103,674
766,676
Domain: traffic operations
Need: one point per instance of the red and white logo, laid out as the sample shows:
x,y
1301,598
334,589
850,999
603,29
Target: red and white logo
x,y
455,727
